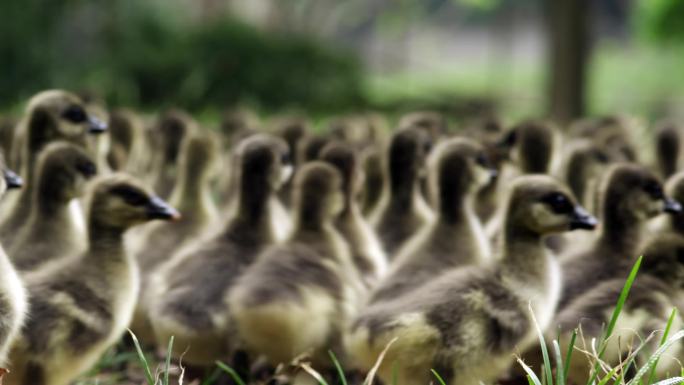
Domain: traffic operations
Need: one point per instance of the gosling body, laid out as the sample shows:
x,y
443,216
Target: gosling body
x,y
83,307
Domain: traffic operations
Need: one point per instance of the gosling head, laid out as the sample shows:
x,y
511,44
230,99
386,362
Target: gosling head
x,y
430,121
309,148
632,192
408,151
318,196
583,161
292,130
69,165
343,157
238,119
610,133
61,114
199,155
539,205
460,165
264,160
173,126
531,146
124,126
119,202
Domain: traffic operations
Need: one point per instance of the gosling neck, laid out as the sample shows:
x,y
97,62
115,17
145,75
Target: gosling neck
x,y
677,223
619,230
104,238
403,187
253,202
191,193
50,200
456,204
524,254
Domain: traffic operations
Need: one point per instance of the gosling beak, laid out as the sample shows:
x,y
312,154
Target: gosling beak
x,y
493,174
671,206
158,209
12,179
581,219
96,126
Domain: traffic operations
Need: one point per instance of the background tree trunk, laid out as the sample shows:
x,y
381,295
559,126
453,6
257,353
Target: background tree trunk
x,y
568,54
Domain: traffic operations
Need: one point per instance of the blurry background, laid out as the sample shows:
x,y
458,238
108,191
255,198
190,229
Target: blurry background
x,y
518,57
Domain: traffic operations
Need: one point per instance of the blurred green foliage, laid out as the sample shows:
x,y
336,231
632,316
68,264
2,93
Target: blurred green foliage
x,y
148,54
660,20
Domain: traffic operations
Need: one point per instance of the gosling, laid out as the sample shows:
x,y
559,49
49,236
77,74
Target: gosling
x,y
459,169
51,231
82,308
467,323
402,211
630,196
187,295
309,280
13,297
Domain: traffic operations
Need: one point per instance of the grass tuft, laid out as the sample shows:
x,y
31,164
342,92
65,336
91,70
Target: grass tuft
x,y
340,371
438,377
143,361
231,372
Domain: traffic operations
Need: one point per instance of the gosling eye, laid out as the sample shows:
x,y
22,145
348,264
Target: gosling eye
x,y
427,146
75,114
654,189
559,203
88,169
482,160
601,157
131,196
285,158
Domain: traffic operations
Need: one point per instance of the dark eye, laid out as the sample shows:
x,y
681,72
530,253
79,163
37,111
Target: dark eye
x,y
75,114
88,169
285,158
559,203
482,160
601,157
131,196
654,190
427,146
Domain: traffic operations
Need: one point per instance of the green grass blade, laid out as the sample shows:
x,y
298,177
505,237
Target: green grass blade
x,y
439,378
654,358
670,381
666,333
231,372
545,352
167,366
568,355
334,359
608,376
141,357
213,377
560,374
395,373
613,319
531,376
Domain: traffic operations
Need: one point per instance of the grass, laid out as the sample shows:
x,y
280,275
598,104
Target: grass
x,y
616,375
554,370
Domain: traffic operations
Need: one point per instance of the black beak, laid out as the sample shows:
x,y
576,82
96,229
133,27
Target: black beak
x,y
672,206
158,209
12,179
581,219
96,126
493,174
